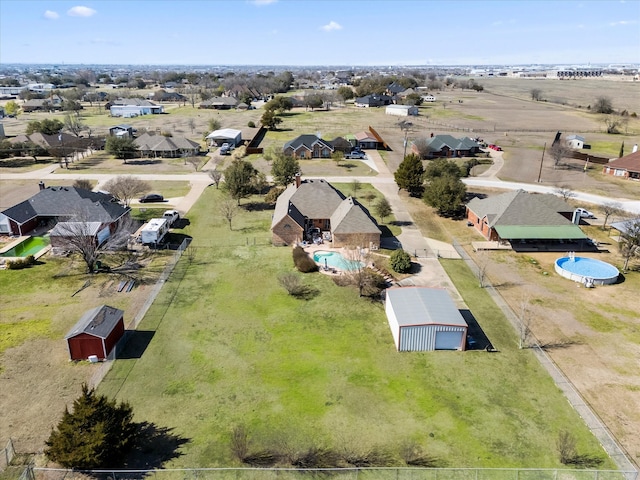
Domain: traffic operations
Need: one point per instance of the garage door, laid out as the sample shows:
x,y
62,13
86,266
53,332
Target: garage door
x,y
448,340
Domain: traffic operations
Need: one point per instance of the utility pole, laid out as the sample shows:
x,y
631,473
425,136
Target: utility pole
x,y
541,160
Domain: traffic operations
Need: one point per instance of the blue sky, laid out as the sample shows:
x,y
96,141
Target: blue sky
x,y
308,32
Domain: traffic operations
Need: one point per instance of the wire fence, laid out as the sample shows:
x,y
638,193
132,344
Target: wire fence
x,y
6,455
592,420
405,473
105,366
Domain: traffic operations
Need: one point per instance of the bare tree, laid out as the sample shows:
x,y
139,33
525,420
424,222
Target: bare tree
x,y
228,209
524,327
194,162
125,188
192,124
608,209
83,183
355,186
421,147
603,105
536,94
80,235
613,123
558,152
74,124
482,262
216,177
630,241
565,192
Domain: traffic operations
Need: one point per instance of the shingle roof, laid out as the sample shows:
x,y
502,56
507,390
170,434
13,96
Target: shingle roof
x,y
351,217
437,143
67,202
307,141
629,162
98,322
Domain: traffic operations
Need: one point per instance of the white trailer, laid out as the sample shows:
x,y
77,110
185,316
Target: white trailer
x,y
154,231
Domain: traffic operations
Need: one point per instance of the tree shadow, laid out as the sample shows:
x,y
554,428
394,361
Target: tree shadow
x,y
137,343
306,293
183,222
258,206
146,161
154,446
386,232
400,223
559,345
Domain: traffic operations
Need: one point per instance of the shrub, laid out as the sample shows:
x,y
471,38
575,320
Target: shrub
x,y
272,195
21,263
400,261
292,283
303,262
251,124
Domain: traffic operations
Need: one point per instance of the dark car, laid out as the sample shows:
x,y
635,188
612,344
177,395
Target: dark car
x,y
152,198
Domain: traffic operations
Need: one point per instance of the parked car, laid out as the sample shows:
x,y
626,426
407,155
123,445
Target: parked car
x,y
584,213
226,148
172,217
152,198
356,154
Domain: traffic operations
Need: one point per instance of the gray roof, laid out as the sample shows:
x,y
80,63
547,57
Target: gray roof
x,y
67,202
351,217
624,225
98,322
308,141
521,208
65,229
437,143
424,306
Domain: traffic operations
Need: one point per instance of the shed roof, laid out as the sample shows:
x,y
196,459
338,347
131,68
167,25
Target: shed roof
x,y
98,322
225,133
424,306
540,232
66,229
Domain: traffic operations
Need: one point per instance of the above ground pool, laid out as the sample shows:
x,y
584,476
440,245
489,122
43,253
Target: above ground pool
x,y
29,246
333,260
587,270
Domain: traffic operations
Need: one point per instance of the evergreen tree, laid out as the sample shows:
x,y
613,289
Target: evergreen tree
x,y
382,208
240,179
445,194
97,434
409,174
284,168
400,261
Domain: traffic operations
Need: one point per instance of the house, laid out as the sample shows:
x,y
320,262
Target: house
x,y
518,216
626,167
129,111
366,140
447,146
373,100
122,130
576,142
220,103
54,102
424,319
395,88
225,135
401,110
96,333
341,144
150,145
308,146
97,232
314,204
53,204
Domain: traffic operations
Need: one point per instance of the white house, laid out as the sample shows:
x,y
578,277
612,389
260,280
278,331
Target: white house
x,y
128,111
575,141
401,110
423,319
225,135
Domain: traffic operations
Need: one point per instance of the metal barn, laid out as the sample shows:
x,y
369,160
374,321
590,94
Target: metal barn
x,y
423,319
96,333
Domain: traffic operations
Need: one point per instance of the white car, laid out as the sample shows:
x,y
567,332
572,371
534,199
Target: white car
x,y
584,213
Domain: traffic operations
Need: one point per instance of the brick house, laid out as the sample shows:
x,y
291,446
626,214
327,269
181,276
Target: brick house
x,y
308,146
626,167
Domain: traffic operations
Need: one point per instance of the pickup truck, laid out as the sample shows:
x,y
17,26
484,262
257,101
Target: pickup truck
x,y
356,154
172,216
226,148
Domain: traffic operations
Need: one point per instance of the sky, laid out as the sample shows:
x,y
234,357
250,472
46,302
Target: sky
x,y
320,32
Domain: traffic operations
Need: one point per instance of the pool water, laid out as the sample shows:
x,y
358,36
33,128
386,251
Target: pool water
x,y
334,260
30,246
580,269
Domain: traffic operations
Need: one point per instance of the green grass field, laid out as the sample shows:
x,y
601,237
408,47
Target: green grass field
x,y
231,348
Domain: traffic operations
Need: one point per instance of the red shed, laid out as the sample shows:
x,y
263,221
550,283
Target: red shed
x,y
96,333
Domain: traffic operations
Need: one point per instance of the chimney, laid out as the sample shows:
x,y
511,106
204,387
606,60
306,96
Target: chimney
x,y
41,185
635,148
298,180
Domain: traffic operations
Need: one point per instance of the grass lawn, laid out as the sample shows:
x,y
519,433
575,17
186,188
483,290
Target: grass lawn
x,y
231,348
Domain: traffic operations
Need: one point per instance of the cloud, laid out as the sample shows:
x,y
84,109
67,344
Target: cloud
x,y
81,11
623,22
331,26
51,15
261,3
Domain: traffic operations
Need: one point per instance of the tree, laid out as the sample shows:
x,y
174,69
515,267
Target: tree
x,y
48,126
214,124
337,156
630,241
565,192
279,104
621,154
558,152
215,176
613,122
313,101
409,175
125,188
192,124
445,194
84,184
78,235
603,105
228,209
422,147
355,186
97,434
74,124
12,108
442,168
382,208
608,209
270,120
345,93
284,168
240,179
121,147
536,94
400,261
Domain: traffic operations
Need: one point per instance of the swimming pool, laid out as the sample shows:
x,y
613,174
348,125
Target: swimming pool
x,y
29,246
335,260
586,270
